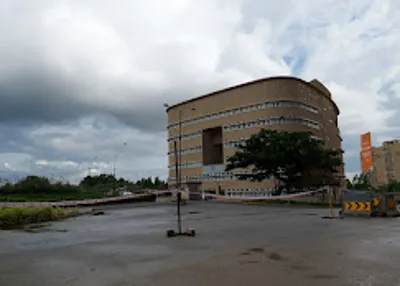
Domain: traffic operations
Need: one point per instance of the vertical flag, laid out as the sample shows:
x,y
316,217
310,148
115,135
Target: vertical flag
x,y
366,152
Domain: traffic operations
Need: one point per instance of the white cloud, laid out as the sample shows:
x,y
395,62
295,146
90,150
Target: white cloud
x,y
357,106
133,152
351,175
127,59
381,138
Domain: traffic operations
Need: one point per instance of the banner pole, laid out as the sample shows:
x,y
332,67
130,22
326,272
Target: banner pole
x,y
330,201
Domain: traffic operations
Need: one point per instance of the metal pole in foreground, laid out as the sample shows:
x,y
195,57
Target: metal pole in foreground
x,y
114,173
176,165
330,201
178,205
114,169
180,149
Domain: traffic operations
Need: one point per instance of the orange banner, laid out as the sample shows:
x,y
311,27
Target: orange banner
x,y
366,152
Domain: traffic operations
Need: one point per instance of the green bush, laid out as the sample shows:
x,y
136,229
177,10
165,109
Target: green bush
x,y
40,189
15,216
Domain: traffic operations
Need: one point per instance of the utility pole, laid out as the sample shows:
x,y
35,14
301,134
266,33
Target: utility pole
x,y
178,155
114,169
176,165
114,174
180,149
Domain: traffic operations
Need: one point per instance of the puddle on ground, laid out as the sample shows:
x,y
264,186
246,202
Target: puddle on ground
x,y
257,255
26,228
275,256
40,228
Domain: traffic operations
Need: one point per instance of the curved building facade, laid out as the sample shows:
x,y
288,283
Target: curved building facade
x,y
211,126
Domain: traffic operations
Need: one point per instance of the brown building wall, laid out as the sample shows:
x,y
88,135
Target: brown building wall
x,y
269,98
386,160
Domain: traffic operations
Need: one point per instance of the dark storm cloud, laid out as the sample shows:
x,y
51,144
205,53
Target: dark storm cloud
x,y
32,96
100,129
13,140
36,88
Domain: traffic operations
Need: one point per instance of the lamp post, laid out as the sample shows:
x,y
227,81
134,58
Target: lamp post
x,y
91,166
180,148
114,168
178,157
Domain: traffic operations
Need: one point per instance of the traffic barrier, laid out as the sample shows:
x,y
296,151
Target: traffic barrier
x,y
357,203
368,203
358,206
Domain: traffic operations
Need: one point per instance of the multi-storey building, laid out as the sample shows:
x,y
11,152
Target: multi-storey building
x,y
211,126
386,160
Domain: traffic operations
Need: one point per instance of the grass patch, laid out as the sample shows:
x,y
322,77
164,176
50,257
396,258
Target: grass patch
x,y
16,198
13,217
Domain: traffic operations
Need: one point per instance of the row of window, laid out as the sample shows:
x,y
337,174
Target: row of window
x,y
192,149
254,123
191,135
249,193
193,164
247,108
257,190
244,192
258,122
234,143
227,144
272,121
222,176
188,164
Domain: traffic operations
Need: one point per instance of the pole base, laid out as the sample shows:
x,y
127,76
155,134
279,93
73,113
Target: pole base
x,y
332,217
189,232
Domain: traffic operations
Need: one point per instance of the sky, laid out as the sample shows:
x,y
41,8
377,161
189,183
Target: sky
x,y
83,82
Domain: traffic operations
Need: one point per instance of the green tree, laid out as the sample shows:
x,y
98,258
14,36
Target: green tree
x,y
295,158
360,182
349,184
102,182
393,186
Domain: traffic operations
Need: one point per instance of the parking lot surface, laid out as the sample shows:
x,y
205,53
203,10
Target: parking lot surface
x,y
235,245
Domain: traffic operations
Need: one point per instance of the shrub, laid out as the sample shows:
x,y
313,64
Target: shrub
x,y
15,216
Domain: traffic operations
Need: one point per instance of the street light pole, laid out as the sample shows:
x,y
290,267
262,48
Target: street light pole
x,y
180,148
178,157
114,169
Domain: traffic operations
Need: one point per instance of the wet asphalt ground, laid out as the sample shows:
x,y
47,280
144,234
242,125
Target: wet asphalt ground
x,y
235,245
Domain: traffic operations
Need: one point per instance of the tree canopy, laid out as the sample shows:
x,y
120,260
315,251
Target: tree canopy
x,y
108,181
296,159
359,182
362,182
35,188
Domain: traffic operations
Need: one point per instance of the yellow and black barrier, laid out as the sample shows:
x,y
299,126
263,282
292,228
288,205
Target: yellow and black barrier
x,y
357,206
357,203
368,203
376,201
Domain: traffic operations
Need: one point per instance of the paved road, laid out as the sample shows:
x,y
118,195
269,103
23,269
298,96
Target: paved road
x,y
236,244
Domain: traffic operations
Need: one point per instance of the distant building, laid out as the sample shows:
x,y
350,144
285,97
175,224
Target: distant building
x,y
211,127
386,160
